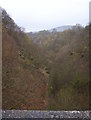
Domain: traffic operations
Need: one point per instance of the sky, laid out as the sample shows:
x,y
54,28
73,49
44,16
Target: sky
x,y
36,15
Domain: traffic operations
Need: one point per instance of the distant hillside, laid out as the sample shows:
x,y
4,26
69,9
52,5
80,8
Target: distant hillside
x,y
61,28
65,27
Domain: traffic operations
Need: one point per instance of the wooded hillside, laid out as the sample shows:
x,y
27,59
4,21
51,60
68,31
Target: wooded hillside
x,y
45,70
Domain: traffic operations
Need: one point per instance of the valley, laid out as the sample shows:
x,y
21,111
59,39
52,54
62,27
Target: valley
x,y
46,70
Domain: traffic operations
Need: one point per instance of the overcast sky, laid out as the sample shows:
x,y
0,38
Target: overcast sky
x,y
35,15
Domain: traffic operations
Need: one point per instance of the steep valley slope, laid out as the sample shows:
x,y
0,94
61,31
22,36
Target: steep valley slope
x,y
24,86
